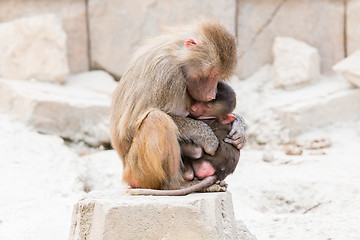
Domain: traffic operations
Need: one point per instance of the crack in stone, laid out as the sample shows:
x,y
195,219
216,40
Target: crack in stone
x,y
267,23
345,29
88,33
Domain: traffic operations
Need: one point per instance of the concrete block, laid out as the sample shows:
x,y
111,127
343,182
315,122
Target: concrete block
x,y
341,106
295,62
54,109
349,68
73,16
33,47
98,81
114,215
259,103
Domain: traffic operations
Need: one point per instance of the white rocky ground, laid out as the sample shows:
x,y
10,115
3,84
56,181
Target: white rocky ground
x,y
313,196
41,179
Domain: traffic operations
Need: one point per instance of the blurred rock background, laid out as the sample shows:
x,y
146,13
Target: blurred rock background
x,y
297,85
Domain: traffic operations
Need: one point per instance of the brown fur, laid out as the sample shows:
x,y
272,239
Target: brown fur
x,y
155,85
149,145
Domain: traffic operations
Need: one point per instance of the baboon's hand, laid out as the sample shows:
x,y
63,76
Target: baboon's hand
x,y
191,130
237,135
209,142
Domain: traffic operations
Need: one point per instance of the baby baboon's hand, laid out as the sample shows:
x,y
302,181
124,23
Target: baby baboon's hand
x,y
237,135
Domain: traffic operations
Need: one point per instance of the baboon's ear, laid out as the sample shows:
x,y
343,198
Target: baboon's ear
x,y
228,118
189,42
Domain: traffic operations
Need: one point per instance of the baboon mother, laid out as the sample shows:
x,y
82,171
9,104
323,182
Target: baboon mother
x,y
153,97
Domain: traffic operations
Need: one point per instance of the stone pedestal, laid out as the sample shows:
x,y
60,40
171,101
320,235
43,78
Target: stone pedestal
x,y
117,215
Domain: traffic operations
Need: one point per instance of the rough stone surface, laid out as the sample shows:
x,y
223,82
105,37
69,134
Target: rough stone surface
x,y
104,171
260,21
68,112
40,181
337,107
115,215
265,126
118,27
352,26
33,48
73,16
295,62
244,232
98,81
349,68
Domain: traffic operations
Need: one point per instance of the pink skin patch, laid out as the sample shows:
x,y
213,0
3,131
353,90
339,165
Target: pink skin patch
x,y
133,184
203,169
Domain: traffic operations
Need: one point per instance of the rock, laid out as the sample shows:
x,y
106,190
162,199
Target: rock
x,y
115,215
73,16
104,171
244,233
295,62
337,107
349,68
41,178
98,81
33,48
352,26
118,27
264,125
268,156
259,22
71,113
293,149
319,143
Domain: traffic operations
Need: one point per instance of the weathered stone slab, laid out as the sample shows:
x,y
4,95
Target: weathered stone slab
x,y
118,27
68,112
295,62
115,215
98,81
33,47
338,107
352,26
260,21
73,16
270,123
349,68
